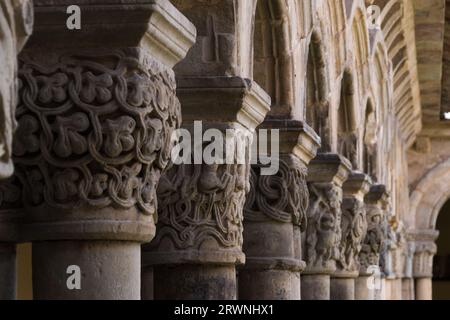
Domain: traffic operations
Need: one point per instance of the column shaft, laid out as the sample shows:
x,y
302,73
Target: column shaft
x,y
342,289
424,288
195,282
363,291
8,275
109,270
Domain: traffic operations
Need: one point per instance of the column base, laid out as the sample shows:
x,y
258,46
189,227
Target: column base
x,y
195,282
315,287
269,284
110,270
8,277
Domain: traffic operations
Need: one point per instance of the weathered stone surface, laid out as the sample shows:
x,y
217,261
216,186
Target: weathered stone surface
x,y
16,23
94,136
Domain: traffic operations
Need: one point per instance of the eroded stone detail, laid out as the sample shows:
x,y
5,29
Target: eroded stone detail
x,y
388,250
94,128
372,244
323,231
354,228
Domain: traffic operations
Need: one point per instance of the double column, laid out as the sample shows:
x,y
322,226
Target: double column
x,y
321,238
201,203
354,229
369,280
97,110
275,215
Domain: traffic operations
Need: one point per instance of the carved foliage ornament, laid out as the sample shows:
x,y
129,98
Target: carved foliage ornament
x,y
283,197
94,129
323,232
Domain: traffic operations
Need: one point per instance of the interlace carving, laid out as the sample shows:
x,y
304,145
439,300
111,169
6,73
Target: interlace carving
x,y
95,129
283,197
202,202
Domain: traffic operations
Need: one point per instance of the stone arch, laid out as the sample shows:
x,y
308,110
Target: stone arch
x,y
347,135
224,38
370,141
429,196
273,66
317,106
360,47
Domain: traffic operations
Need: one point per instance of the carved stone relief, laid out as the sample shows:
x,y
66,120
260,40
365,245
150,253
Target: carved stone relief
x,y
323,231
283,197
94,129
354,229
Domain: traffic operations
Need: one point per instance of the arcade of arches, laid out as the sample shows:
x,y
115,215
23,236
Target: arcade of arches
x,y
358,209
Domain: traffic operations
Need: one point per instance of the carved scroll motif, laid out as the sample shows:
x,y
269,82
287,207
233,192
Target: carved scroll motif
x,y
283,197
198,203
94,128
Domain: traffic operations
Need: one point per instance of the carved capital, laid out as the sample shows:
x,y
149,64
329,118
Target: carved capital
x,y
373,242
353,224
16,22
201,207
327,173
94,135
96,118
425,249
323,232
282,197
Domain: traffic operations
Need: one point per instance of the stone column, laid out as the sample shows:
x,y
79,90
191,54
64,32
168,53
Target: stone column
x,y
97,110
10,215
320,240
201,206
399,261
275,215
354,229
425,249
408,279
16,21
369,279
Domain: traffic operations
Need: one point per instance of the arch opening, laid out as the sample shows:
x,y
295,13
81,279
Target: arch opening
x,y
370,143
273,63
347,133
441,261
317,105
